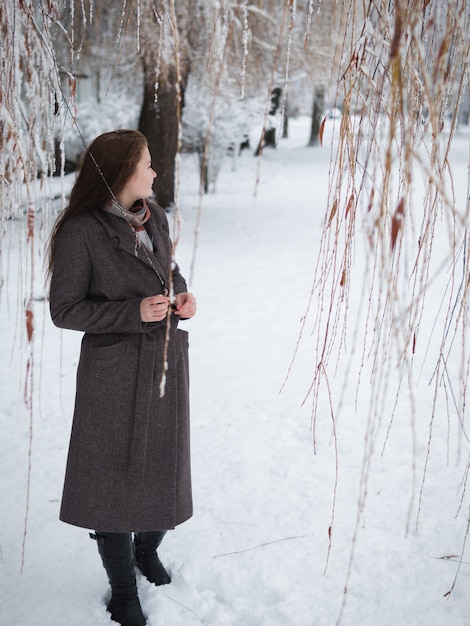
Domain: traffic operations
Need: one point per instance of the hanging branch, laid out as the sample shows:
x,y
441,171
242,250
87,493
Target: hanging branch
x,y
27,113
403,68
372,180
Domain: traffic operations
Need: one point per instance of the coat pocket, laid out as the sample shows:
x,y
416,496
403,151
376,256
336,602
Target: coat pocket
x,y
108,346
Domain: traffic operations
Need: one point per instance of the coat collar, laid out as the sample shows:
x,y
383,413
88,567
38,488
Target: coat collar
x,y
125,238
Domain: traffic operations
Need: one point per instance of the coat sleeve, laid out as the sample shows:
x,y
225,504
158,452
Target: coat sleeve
x,y
71,306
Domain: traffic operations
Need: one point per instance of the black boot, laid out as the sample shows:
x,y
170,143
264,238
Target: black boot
x,y
117,554
146,557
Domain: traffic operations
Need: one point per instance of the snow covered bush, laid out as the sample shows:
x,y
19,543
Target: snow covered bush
x,y
94,118
215,125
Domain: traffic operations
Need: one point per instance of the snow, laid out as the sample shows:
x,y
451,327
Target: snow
x,y
255,552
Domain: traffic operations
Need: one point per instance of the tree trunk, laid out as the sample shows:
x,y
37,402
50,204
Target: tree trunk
x,y
285,125
317,112
159,123
268,135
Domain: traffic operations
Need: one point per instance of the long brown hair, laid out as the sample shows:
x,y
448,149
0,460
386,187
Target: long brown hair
x,y
105,169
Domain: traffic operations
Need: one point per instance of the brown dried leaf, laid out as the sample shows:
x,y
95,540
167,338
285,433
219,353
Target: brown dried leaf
x,y
396,225
371,201
30,221
395,47
439,60
29,320
333,212
322,130
73,86
350,203
397,222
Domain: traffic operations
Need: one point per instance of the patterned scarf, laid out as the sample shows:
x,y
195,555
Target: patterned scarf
x,y
138,214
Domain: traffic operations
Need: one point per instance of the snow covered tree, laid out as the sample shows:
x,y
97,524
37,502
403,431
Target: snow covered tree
x,y
165,40
321,56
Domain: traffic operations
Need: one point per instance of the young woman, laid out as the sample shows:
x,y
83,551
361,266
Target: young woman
x,y
113,278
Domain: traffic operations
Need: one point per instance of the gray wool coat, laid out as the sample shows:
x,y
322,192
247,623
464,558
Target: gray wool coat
x,y
128,466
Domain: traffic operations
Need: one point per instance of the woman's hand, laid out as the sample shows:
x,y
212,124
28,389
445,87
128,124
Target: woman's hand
x,y
154,308
185,305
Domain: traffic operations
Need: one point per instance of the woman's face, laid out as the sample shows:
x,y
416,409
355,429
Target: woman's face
x,y
140,183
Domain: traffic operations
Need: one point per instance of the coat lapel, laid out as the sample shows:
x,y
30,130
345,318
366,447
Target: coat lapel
x,y
125,238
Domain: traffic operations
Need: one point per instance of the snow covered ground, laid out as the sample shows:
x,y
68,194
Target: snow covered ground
x,y
255,551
